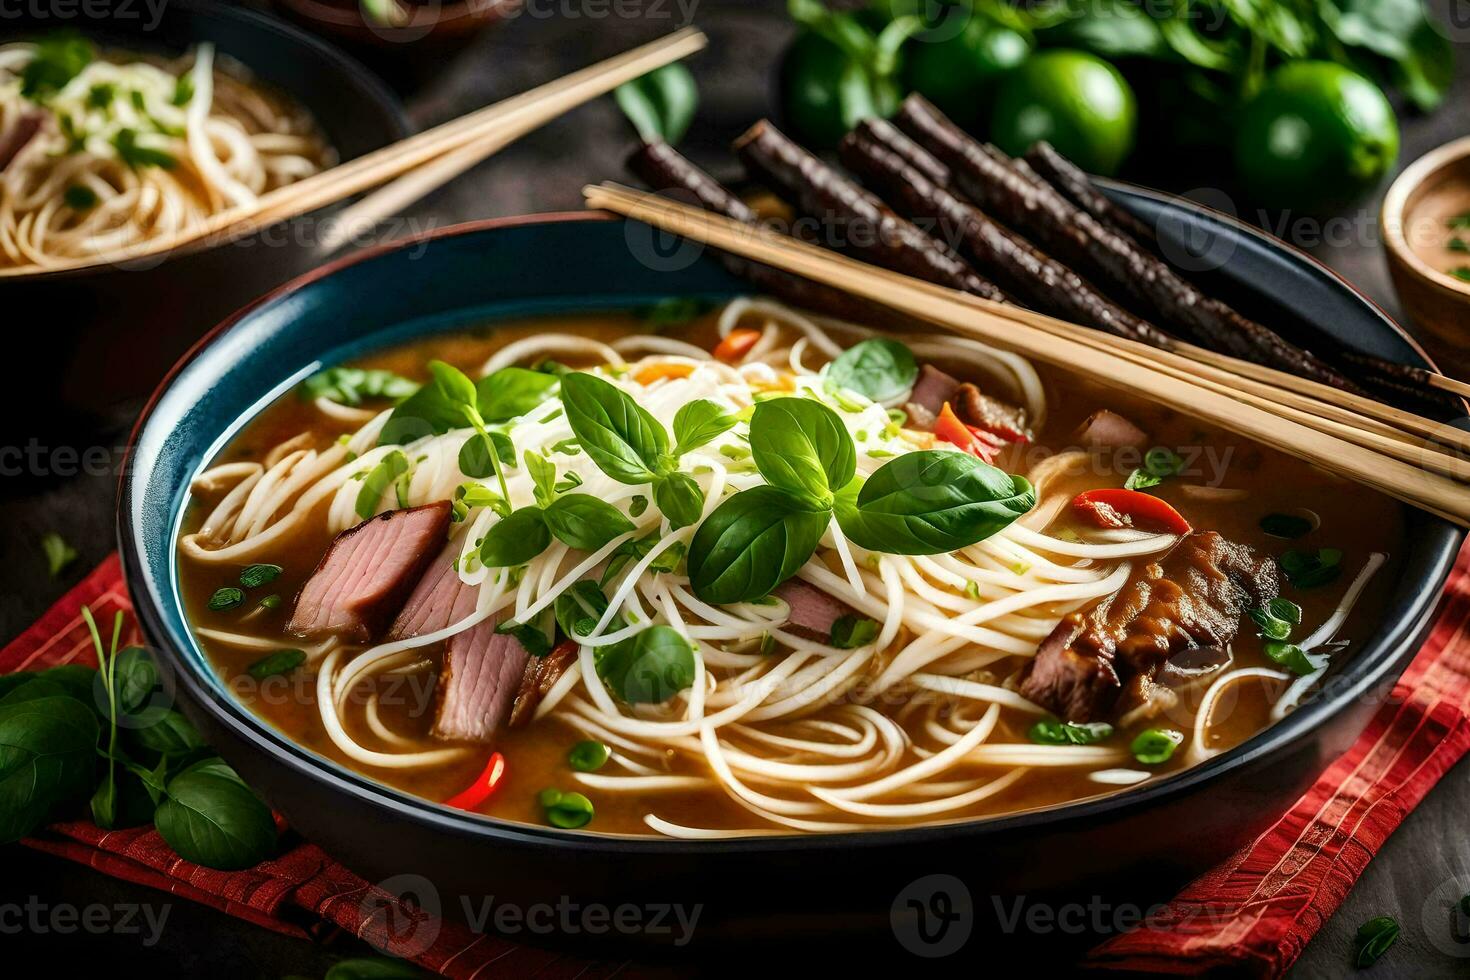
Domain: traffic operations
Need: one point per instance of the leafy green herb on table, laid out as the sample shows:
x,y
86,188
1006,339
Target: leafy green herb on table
x,y
660,104
1373,939
59,554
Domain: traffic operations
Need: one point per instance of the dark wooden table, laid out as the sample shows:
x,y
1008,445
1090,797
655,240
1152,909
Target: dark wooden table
x,y
544,172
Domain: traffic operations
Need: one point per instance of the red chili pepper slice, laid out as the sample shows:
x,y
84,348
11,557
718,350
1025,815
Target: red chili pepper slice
x,y
736,345
1130,508
975,441
483,787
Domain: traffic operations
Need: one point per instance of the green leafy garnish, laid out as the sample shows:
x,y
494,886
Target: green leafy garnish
x,y
1155,745
801,446
79,197
1294,658
623,440
226,598
699,422
352,386
850,632
276,664
254,576
588,756
1050,731
1159,463
59,58
1373,939
59,554
138,156
660,104
879,369
1277,618
1306,570
377,482
648,668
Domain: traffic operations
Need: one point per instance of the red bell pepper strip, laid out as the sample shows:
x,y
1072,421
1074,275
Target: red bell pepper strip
x,y
482,788
949,428
1129,508
736,345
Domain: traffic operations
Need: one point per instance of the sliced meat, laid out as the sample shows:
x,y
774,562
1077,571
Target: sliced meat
x,y
368,572
813,612
1109,430
21,132
431,605
1150,695
537,680
481,674
1193,598
933,389
975,408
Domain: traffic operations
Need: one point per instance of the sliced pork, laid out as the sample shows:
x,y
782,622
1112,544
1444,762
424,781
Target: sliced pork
x,y
1109,430
813,612
932,389
1192,599
368,572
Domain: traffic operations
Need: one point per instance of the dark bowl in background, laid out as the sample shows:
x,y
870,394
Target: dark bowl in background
x,y
1135,847
113,332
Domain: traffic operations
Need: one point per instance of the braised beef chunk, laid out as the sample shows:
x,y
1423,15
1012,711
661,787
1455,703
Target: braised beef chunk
x,y
537,680
368,572
1193,598
932,390
975,408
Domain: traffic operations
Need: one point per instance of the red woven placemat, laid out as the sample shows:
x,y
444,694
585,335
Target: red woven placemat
x,y
1255,913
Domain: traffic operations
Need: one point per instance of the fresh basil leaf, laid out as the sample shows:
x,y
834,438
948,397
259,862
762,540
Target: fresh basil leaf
x,y
878,368
122,799
1373,939
1271,627
698,423
169,733
660,104
624,441
215,821
475,456
512,392
516,539
582,601
668,559
47,757
353,386
135,676
801,445
580,520
634,549
379,479
543,475
276,664
850,632
479,495
445,402
754,541
680,498
931,502
648,668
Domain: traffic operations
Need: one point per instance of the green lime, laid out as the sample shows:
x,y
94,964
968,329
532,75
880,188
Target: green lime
x,y
1316,137
1076,102
957,68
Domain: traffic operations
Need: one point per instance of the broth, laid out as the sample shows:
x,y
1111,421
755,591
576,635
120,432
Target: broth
x,y
1355,520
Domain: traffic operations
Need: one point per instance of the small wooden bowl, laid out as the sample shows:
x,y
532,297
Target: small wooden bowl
x,y
1437,302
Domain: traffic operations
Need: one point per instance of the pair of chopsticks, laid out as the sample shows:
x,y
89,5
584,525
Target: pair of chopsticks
x,y
428,159
1414,459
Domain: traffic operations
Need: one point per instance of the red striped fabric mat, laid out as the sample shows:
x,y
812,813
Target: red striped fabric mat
x,y
1253,914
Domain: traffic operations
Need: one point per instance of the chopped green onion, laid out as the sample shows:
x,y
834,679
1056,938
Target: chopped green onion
x,y
254,576
588,756
1050,731
79,197
271,601
1294,658
1458,244
567,811
1277,618
1155,745
1461,272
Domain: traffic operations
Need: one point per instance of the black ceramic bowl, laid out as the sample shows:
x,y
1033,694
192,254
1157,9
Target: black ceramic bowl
x,y
1132,847
115,331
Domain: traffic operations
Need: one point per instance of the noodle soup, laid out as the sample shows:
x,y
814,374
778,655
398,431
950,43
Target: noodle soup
x,y
100,150
762,572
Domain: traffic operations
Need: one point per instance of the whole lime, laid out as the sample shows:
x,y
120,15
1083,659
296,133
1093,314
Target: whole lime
x,y
1077,102
957,67
1317,136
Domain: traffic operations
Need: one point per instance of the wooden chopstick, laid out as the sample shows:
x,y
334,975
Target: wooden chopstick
x,y
1412,484
493,127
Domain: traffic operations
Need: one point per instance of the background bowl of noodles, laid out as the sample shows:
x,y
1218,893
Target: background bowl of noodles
x,y
117,328
1130,847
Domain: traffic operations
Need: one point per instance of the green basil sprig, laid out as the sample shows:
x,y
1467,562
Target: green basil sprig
x,y
578,520
878,368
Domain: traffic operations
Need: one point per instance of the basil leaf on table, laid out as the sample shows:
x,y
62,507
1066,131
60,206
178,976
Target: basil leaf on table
x,y
166,732
580,520
512,392
516,539
878,368
753,542
931,502
680,497
47,756
801,445
134,677
648,668
214,820
660,104
624,441
699,423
